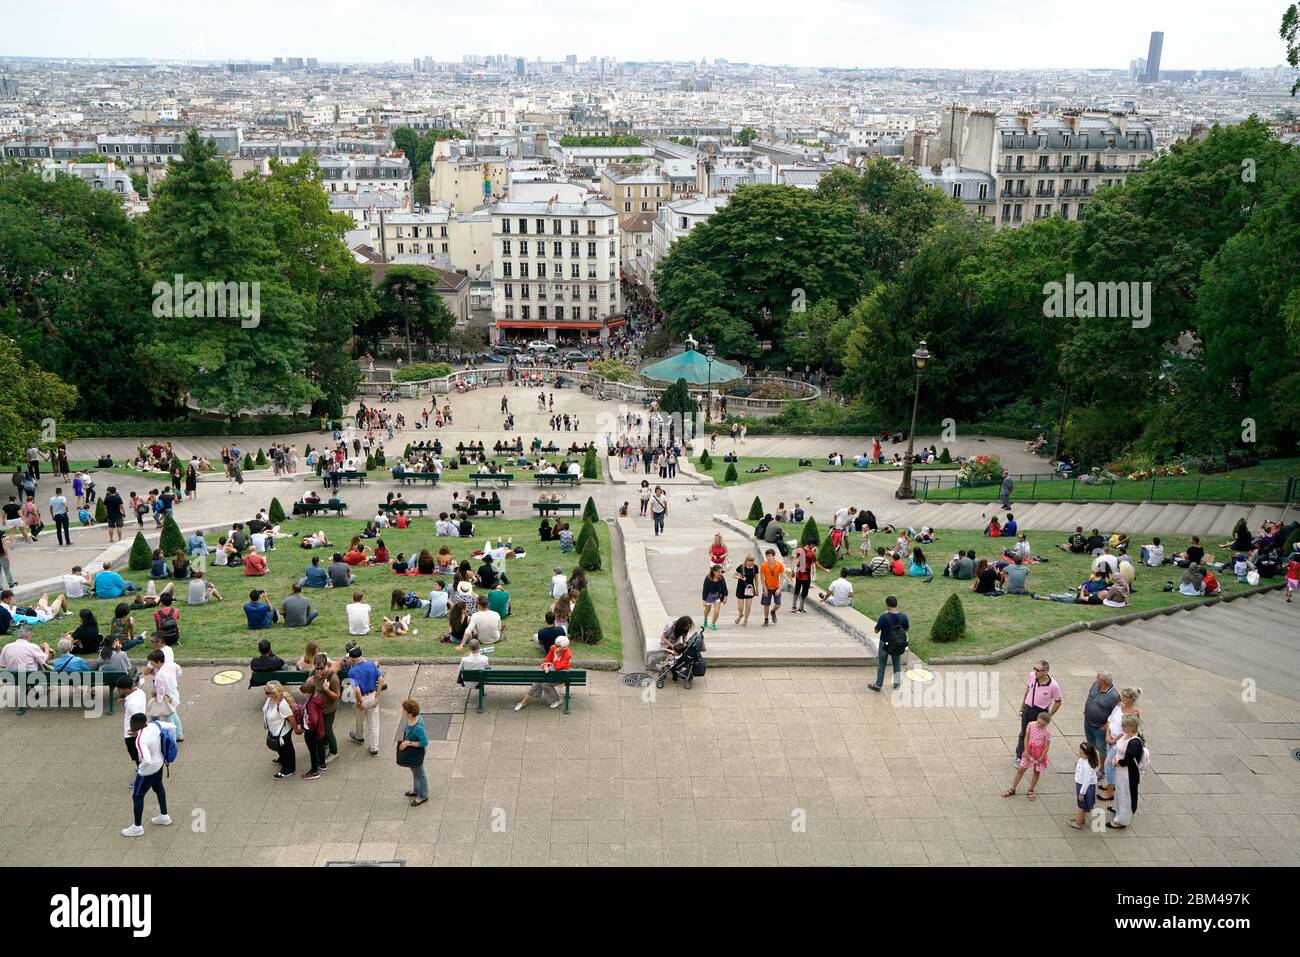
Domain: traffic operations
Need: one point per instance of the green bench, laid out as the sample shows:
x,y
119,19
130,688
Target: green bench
x,y
505,478
558,479
23,681
311,508
359,477
394,508
545,508
259,678
502,676
410,478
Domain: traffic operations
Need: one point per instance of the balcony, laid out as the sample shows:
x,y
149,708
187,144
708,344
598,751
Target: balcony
x,y
1019,191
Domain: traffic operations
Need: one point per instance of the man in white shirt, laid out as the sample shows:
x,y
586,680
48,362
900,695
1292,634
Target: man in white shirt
x,y
474,661
484,624
841,520
575,468
258,541
559,583
132,699
840,592
166,686
149,772
381,520
22,654
1153,555
1105,562
75,584
358,615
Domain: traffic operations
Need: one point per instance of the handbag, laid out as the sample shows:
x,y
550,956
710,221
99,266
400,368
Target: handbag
x,y
409,757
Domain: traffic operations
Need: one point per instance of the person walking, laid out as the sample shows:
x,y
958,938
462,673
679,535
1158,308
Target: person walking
x,y
1042,693
280,724
658,509
132,699
6,571
324,681
313,733
1007,487
772,572
746,586
365,677
59,512
166,700
149,746
411,749
114,514
714,596
1128,699
1034,760
892,628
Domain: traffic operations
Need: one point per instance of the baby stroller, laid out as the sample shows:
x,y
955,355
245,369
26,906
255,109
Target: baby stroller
x,y
686,664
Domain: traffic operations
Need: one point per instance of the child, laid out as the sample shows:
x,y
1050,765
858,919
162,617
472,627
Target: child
x,y
1038,739
1085,783
1293,574
84,516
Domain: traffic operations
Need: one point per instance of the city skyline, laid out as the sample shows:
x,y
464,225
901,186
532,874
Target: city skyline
x,y
926,34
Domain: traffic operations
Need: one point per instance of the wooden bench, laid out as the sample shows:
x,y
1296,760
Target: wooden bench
x,y
311,508
259,678
359,477
505,478
23,681
545,508
502,676
410,478
394,508
561,478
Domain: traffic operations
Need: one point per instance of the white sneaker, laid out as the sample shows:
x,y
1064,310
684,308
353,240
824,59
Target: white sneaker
x,y
519,706
556,705
162,819
135,830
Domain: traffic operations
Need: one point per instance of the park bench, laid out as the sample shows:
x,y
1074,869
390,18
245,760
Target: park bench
x,y
505,478
410,478
21,683
545,508
311,508
557,479
258,679
495,676
359,477
395,507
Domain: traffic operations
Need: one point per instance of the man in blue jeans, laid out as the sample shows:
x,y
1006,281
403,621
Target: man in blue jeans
x,y
892,628
1102,698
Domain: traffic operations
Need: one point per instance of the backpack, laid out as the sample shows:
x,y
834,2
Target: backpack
x,y
167,745
412,600
169,629
896,640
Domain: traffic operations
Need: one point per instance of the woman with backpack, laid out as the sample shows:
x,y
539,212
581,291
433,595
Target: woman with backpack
x,y
891,627
280,723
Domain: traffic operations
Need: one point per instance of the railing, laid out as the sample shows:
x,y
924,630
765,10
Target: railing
x,y
1049,487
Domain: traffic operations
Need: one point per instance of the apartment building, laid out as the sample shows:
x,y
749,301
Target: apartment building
x,y
674,221
635,191
555,270
977,192
353,172
412,237
365,205
464,183
635,235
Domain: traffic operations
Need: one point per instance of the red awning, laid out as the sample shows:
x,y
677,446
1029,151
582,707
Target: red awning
x,y
559,325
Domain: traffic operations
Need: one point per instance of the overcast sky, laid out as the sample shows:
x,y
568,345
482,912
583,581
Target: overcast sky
x,y
997,34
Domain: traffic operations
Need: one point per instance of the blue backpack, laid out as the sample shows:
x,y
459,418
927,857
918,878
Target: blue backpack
x,y
167,745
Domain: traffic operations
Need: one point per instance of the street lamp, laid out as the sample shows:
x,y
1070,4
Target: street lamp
x,y
709,357
920,358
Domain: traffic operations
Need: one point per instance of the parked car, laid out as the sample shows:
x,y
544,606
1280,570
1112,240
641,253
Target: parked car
x,y
508,348
541,346
575,355
489,357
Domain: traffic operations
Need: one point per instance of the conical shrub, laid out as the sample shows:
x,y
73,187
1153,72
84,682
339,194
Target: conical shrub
x,y
101,512
370,462
261,459
730,475
141,556
810,535
590,556
589,513
756,510
276,512
248,461
950,623
945,456
171,540
591,466
585,534
584,625
706,461
826,553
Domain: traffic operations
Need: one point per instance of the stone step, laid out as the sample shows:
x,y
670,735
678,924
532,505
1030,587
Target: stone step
x,y
1114,517
1141,518
1225,522
747,651
1200,520
1170,517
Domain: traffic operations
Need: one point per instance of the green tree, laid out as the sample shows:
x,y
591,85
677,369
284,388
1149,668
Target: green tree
x,y
591,466
276,512
756,509
590,557
170,540
140,557
827,555
810,535
260,461
746,136
584,624
409,306
585,534
101,512
730,475
248,461
950,623
589,513
1290,32
30,397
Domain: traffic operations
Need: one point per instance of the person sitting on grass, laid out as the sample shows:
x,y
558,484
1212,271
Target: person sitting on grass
x,y
1019,550
258,611
1241,539
317,539
839,593
499,600
880,564
1009,528
918,567
565,538
86,639
1096,542
994,528
438,603
109,584
158,567
254,565
1153,555
201,590
1014,577
1117,595
380,555
1193,581
296,610
397,627
986,579
962,566
1088,593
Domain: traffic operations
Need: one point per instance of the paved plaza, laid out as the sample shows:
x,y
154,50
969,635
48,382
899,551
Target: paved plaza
x,y
752,765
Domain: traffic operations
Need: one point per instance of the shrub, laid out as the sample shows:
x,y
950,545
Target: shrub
x,y
370,462
612,370
731,476
307,451
590,559
261,459
826,553
980,470
950,623
810,535
585,534
589,513
148,429
419,371
141,556
945,457
101,512
584,626
171,540
591,467
276,512
756,510
706,461
406,452
248,461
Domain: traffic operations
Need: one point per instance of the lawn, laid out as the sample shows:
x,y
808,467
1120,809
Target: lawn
x,y
996,623
789,466
1190,488
219,630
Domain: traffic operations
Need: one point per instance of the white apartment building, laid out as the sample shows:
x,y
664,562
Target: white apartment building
x,y
555,270
353,172
364,206
674,221
412,237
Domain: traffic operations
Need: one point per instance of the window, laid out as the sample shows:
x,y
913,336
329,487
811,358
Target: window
x,y
1065,210
541,270
591,292
1006,212
559,313
510,312
575,291
541,227
592,313
525,291
506,267
444,247
526,312
573,249
613,248
556,227
523,247
956,190
505,226
523,226
443,233
573,227
523,270
509,290
400,249
557,248
627,207
591,250
591,227
541,313
645,207
658,192
984,191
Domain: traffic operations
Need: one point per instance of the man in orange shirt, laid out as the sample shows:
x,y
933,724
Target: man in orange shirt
x,y
773,574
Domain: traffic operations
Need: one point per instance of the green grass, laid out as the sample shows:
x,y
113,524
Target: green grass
x,y
466,472
1215,489
1271,469
219,630
789,466
996,623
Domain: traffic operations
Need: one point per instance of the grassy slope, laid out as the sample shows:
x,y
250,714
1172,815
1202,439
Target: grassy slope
x,y
1215,488
220,630
789,466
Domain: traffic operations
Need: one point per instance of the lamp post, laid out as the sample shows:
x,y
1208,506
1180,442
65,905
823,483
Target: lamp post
x,y
709,356
919,360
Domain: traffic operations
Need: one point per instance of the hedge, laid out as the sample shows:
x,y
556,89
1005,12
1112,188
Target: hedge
x,y
419,371
150,429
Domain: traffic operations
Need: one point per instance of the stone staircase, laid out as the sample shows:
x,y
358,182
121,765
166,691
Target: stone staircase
x,y
1134,518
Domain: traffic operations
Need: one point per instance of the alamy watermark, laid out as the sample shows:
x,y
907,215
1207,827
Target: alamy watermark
x,y
1098,300
208,300
952,689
